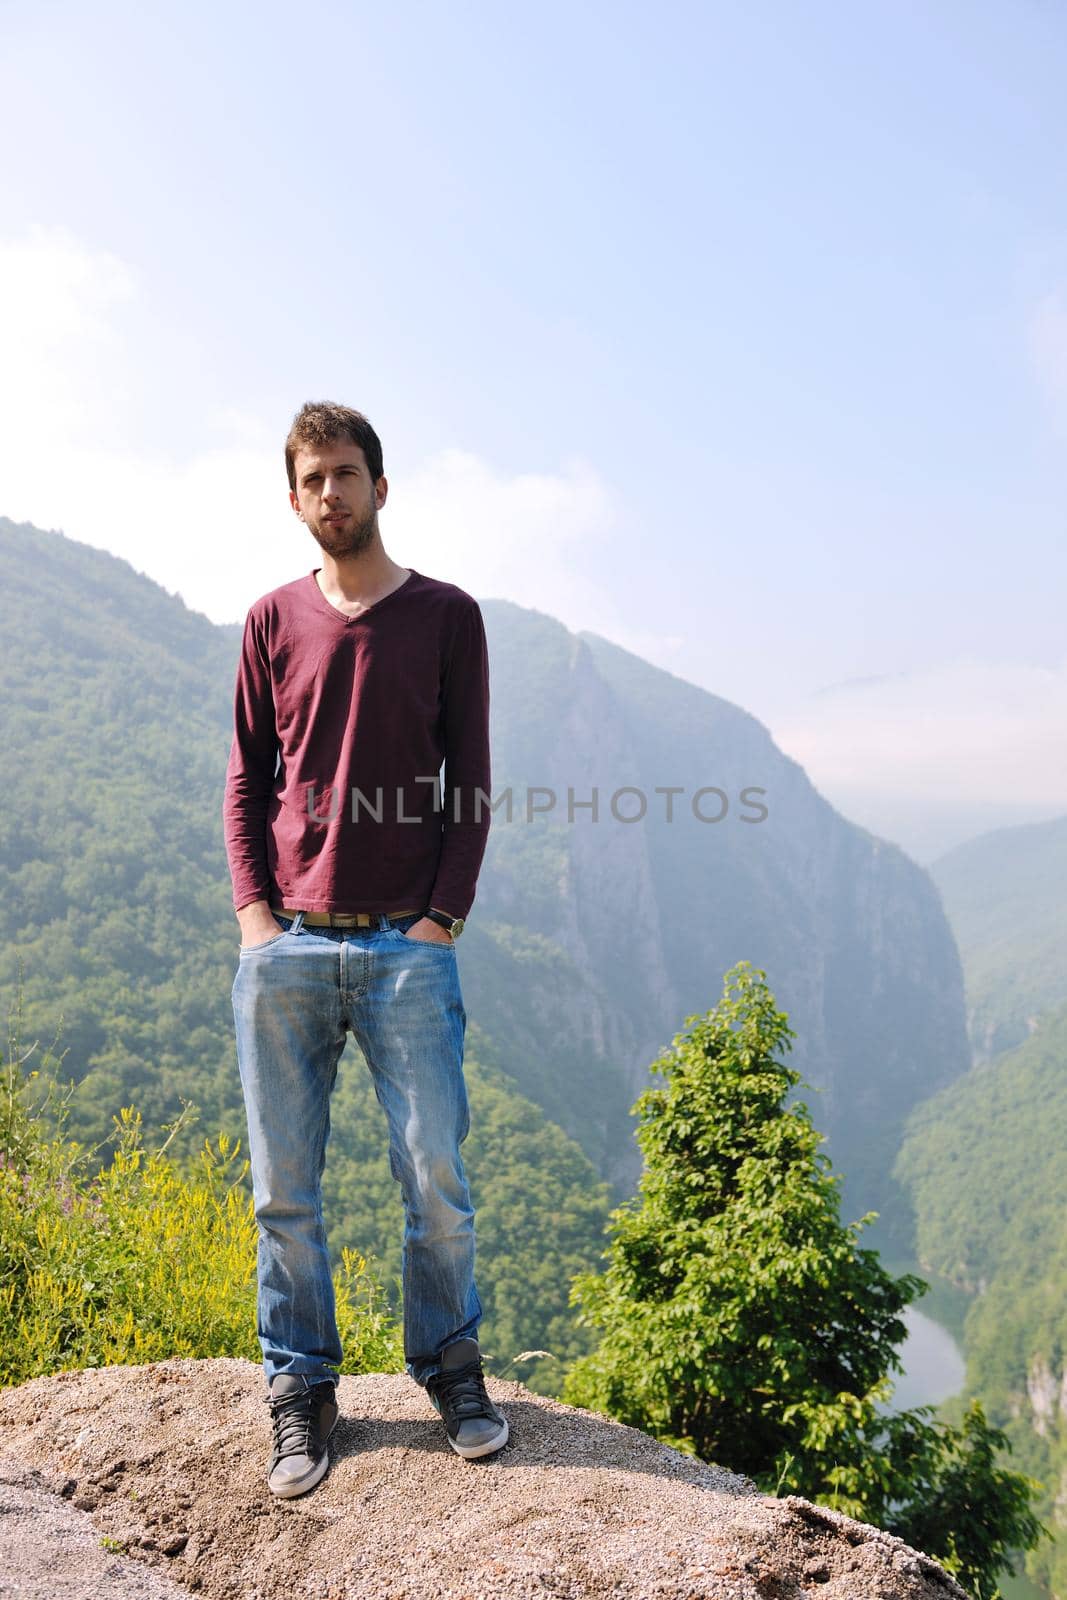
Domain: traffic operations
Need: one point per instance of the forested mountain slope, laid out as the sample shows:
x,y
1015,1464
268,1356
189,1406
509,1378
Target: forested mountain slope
x,y
1006,896
588,944
985,1162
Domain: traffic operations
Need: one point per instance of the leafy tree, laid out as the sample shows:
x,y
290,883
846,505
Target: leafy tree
x,y
945,1494
742,1323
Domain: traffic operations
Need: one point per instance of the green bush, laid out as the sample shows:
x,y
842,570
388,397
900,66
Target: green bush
x,y
135,1260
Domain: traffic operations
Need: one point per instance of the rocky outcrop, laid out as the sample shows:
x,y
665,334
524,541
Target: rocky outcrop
x,y
1047,1392
167,1462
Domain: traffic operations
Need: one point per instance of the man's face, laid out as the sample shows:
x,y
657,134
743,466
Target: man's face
x,y
336,497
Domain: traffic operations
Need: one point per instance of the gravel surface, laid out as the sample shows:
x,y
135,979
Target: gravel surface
x,y
167,1463
51,1551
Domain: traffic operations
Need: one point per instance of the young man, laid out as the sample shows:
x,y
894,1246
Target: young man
x,y
352,875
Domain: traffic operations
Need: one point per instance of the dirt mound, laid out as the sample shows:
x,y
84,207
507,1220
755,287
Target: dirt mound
x,y
51,1551
169,1462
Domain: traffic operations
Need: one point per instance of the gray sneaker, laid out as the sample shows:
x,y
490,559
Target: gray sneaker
x,y
303,1415
474,1425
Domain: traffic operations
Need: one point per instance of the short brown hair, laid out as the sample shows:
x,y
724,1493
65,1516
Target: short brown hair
x,y
321,422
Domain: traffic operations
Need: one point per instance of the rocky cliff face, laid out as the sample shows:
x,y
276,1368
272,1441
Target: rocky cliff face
x,y
639,920
1047,1393
167,1463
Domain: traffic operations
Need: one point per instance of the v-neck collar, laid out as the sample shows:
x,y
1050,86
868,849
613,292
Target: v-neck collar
x,y
342,616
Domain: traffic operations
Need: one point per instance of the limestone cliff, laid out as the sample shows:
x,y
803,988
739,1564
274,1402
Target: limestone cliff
x,y
632,924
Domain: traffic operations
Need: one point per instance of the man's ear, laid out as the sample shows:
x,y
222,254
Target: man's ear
x,y
295,503
381,490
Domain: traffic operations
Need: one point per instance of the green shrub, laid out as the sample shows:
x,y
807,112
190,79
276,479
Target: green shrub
x,y
135,1260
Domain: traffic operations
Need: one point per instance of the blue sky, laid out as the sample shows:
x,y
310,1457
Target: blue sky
x,y
737,333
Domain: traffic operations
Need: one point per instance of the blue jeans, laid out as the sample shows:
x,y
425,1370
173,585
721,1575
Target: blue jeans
x,y
294,999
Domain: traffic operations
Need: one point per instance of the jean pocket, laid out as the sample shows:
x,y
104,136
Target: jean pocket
x,y
427,944
250,949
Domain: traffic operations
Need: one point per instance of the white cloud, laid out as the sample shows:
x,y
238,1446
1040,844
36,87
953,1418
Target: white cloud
x,y
215,525
58,342
932,757
56,290
81,353
540,539
514,537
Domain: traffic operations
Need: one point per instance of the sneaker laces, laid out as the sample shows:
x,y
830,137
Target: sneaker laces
x,y
291,1415
463,1390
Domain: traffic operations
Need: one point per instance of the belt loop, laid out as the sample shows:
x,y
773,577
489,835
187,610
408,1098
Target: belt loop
x,y
383,922
298,922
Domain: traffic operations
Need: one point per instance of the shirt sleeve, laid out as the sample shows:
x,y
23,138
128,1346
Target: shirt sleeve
x,y
251,770
466,788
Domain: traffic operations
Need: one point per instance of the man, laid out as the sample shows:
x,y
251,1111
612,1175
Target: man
x,y
352,876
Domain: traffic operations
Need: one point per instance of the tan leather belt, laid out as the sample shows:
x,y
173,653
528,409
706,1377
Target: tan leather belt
x,y
337,919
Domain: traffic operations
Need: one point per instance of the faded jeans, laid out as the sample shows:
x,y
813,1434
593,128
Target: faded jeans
x,y
294,999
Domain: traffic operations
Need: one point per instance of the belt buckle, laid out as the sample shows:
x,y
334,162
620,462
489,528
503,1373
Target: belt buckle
x,y
349,919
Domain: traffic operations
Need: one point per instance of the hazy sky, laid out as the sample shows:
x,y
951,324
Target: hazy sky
x,y
736,333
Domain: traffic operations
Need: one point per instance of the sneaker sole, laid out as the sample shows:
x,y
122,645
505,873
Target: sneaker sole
x,y
470,1452
298,1486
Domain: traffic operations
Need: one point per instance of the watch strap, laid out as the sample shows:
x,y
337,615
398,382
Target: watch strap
x,y
443,920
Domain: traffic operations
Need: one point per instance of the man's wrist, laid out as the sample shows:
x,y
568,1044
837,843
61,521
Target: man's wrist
x,y
252,905
445,919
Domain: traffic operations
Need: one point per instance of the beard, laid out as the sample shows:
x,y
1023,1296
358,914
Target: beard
x,y
349,538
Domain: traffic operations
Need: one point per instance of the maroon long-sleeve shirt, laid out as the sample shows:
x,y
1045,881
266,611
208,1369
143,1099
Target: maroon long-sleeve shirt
x,y
333,797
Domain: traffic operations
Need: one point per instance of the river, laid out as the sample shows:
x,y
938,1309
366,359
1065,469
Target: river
x,y
933,1363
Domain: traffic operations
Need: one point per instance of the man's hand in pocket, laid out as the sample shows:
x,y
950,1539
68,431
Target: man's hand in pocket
x,y
427,931
258,923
